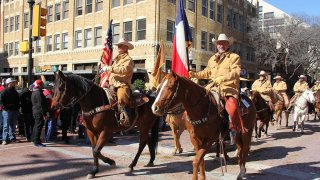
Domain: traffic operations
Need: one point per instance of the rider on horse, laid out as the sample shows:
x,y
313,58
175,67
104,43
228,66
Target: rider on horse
x,y
224,69
120,79
298,88
280,87
316,87
263,86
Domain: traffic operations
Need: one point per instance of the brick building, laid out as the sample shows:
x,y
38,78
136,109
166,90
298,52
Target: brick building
x,y
76,32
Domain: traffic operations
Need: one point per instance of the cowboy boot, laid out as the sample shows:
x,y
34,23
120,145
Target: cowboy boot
x,y
125,116
294,126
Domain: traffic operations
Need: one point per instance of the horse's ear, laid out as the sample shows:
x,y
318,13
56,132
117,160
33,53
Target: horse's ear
x,y
59,74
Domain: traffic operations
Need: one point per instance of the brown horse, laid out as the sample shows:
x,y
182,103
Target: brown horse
x,y
263,113
203,118
177,124
279,108
101,124
317,105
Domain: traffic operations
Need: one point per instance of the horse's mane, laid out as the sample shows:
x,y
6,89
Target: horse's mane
x,y
81,83
258,98
191,83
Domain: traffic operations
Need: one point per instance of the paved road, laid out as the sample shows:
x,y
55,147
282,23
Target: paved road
x,y
282,155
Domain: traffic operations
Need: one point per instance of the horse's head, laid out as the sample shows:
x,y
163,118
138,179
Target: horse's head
x,y
308,95
167,94
63,91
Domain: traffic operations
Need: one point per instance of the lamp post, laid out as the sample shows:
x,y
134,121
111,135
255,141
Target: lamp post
x,y
30,60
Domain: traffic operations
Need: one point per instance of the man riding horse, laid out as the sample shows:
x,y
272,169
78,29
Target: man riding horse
x,y
121,73
299,87
263,86
224,71
280,87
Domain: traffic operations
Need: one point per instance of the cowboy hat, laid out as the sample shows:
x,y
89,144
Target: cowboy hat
x,y
302,77
122,41
262,73
278,77
10,80
223,37
318,81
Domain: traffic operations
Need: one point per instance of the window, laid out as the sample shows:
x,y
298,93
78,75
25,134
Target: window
x,y
56,42
241,23
260,8
25,20
16,48
115,3
78,7
57,16
98,36
49,43
88,6
235,20
10,49
99,5
127,30
191,5
170,30
229,17
87,38
220,13
141,29
268,15
205,8
212,10
127,2
6,25
64,41
65,10
211,45
172,1
38,45
204,40
17,18
193,36
50,14
116,32
11,23
6,49
78,39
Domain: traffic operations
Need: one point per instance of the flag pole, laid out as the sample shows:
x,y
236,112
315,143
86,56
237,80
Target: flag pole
x,y
188,63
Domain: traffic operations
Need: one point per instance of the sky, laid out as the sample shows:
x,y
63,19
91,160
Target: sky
x,y
309,7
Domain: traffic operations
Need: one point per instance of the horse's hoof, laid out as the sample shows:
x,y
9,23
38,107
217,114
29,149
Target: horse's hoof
x,y
130,170
150,164
90,176
180,151
113,164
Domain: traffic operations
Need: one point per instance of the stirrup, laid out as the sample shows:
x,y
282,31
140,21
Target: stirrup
x,y
124,119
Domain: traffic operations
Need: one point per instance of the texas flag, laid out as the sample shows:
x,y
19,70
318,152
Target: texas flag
x,y
181,42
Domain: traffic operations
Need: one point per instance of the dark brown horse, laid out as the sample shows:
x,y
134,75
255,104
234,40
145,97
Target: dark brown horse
x,y
203,118
101,124
263,113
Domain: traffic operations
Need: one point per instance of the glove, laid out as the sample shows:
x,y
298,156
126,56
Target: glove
x,y
218,80
104,69
191,74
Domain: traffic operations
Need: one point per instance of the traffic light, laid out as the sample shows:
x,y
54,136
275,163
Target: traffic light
x,y
39,21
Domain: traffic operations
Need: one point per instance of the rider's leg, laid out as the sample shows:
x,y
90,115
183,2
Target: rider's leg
x,y
233,110
123,94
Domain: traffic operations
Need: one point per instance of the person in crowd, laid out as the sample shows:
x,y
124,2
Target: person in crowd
x,y
51,123
40,112
263,86
10,101
65,117
26,109
316,86
299,87
120,78
280,87
2,88
225,81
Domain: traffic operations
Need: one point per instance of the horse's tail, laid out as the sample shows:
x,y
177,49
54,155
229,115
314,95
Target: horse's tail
x,y
155,134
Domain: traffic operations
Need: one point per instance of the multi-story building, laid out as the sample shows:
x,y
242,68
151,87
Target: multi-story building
x,y
76,32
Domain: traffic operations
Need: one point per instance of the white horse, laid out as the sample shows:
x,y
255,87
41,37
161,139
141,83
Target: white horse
x,y
301,109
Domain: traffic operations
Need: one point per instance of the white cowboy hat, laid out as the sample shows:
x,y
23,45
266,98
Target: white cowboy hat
x,y
223,37
10,80
278,77
302,77
245,88
262,73
122,41
318,81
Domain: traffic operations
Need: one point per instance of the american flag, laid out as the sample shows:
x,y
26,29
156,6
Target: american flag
x,y
107,55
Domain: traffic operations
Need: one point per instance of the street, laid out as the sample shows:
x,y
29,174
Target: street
x,y
282,155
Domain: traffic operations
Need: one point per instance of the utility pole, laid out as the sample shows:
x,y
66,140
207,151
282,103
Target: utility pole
x,y
30,60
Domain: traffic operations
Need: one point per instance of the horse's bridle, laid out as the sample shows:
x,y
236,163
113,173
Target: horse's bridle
x,y
175,94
